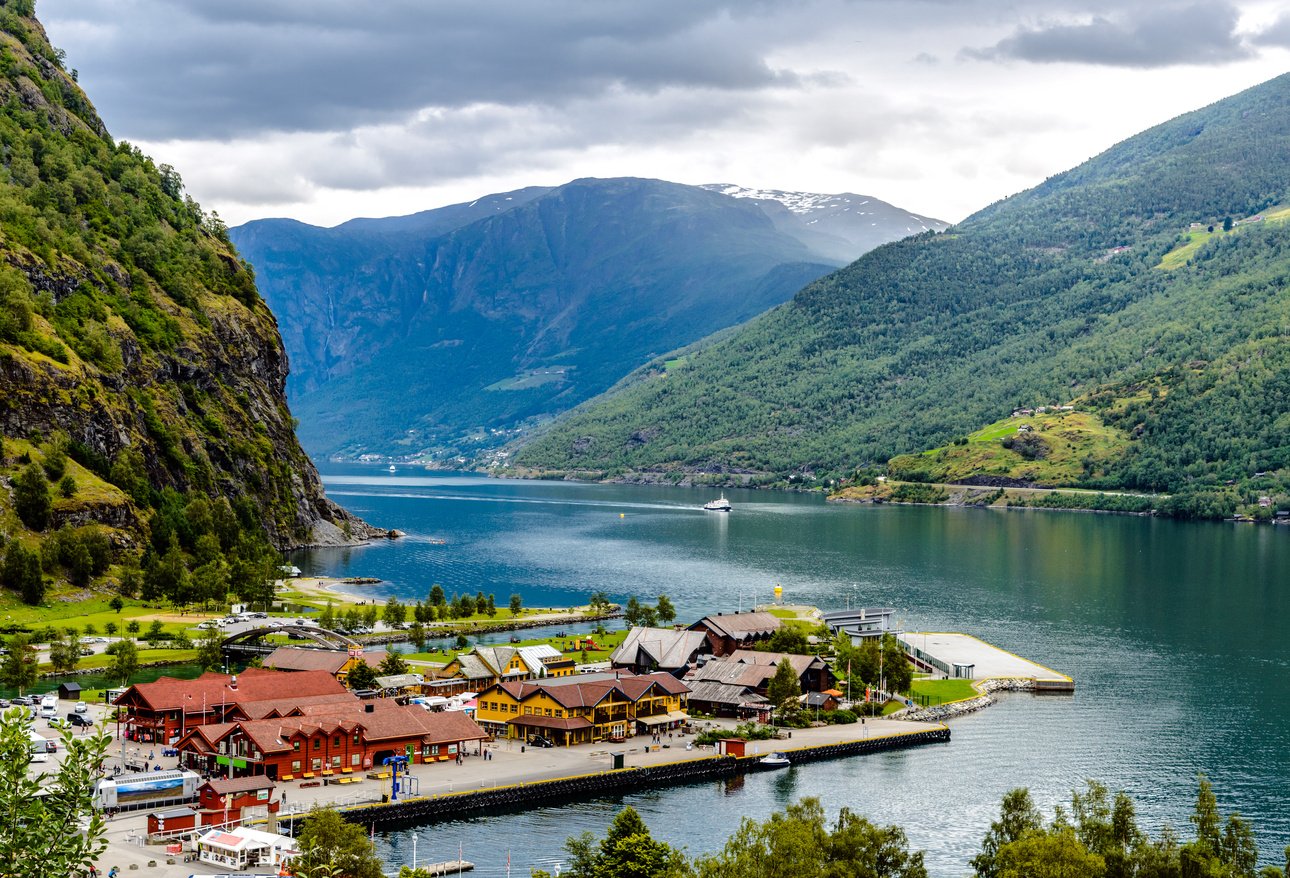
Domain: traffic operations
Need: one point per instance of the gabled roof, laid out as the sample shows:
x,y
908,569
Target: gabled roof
x,y
801,663
300,658
740,626
664,648
589,690
723,693
212,688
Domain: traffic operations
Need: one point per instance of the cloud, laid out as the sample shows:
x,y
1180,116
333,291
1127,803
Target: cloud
x,y
1150,36
1277,34
241,67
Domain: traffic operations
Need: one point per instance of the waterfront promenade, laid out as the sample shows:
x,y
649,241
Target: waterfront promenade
x,y
509,766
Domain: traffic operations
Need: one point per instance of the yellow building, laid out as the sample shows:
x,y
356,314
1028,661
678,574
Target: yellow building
x,y
486,665
583,709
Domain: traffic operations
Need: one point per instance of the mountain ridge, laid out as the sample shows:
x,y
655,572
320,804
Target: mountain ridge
x,y
1039,297
521,304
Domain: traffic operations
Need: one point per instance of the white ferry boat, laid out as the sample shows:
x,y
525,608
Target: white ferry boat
x,y
721,505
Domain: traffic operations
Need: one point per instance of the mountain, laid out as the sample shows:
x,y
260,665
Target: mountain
x,y
1148,282
446,331
840,226
141,375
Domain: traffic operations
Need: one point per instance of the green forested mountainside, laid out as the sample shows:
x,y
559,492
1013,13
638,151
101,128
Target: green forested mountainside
x,y
139,368
1049,295
440,333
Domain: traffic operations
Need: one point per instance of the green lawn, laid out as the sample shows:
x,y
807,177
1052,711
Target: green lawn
x,y
943,691
147,656
608,644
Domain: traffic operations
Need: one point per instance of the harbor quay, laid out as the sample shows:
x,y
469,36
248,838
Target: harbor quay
x,y
514,774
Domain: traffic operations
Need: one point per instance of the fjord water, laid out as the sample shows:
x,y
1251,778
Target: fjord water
x,y
1174,632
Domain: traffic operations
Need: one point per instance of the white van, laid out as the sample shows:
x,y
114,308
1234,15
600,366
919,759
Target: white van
x,y
48,707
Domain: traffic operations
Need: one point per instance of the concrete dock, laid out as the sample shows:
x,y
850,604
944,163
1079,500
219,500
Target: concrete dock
x,y
964,656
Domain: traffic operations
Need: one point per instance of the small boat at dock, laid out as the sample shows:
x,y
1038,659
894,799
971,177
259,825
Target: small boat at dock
x,y
775,760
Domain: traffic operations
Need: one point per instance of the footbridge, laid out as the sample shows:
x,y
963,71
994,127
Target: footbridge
x,y
254,641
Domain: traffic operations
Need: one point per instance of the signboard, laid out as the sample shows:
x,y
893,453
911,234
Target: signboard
x,y
233,760
452,749
262,795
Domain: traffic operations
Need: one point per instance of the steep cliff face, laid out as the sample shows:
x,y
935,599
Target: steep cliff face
x,y
131,334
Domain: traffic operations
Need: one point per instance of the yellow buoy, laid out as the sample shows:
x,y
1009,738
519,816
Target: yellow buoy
x,y
622,515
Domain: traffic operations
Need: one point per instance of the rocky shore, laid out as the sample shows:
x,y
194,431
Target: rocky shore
x,y
942,712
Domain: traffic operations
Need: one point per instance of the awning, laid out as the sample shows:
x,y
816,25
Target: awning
x,y
673,716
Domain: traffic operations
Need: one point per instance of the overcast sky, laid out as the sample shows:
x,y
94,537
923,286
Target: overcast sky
x,y
323,110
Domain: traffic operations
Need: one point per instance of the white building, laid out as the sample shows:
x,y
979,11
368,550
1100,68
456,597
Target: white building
x,y
241,848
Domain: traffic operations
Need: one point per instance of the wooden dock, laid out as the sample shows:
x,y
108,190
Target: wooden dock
x,y
450,867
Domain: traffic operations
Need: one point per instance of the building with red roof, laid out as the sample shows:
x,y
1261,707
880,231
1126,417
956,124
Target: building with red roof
x,y
328,738
163,710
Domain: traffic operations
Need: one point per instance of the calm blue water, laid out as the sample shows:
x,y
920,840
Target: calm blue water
x,y
1174,633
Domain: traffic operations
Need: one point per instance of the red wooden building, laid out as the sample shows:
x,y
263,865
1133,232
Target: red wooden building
x,y
162,711
321,740
232,800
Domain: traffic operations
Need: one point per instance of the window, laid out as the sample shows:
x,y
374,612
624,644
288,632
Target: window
x,y
335,762
355,759
295,766
355,737
528,711
336,742
434,749
548,711
295,745
316,764
559,713
317,743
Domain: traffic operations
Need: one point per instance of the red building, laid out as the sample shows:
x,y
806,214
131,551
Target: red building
x,y
327,739
162,711
232,800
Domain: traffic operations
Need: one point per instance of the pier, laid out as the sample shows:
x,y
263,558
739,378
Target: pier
x,y
963,656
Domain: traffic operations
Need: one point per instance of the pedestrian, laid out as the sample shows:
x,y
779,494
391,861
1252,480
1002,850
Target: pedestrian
x,y
284,797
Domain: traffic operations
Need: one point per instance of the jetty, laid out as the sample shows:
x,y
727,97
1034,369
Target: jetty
x,y
962,656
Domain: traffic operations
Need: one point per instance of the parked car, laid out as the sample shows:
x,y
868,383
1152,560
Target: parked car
x,y
539,741
81,707
85,650
79,719
208,624
4,702
57,722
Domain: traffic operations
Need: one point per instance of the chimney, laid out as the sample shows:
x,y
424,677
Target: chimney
x,y
232,682
369,707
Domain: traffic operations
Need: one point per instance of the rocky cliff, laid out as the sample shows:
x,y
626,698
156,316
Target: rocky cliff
x,y
132,337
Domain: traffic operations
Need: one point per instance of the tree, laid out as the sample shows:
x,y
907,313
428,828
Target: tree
x,y
627,851
332,846
896,668
18,669
59,833
391,665
517,604
370,615
599,604
492,606
210,649
417,634
155,635
126,662
110,629
665,611
116,604
436,598
784,688
395,613
210,582
65,653
1057,854
789,639
31,497
361,676
1017,816
327,619
132,627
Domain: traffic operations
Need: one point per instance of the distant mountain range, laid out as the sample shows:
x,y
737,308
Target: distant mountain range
x,y
447,331
1146,286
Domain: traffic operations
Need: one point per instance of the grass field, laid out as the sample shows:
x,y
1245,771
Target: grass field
x,y
943,691
607,645
1069,440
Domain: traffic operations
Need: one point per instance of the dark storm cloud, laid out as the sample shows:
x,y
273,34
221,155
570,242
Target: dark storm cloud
x,y
169,68
1150,36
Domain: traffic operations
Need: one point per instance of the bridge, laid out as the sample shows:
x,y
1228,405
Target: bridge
x,y
251,642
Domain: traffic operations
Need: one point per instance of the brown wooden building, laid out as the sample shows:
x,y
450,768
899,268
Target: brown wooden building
x,y
727,632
